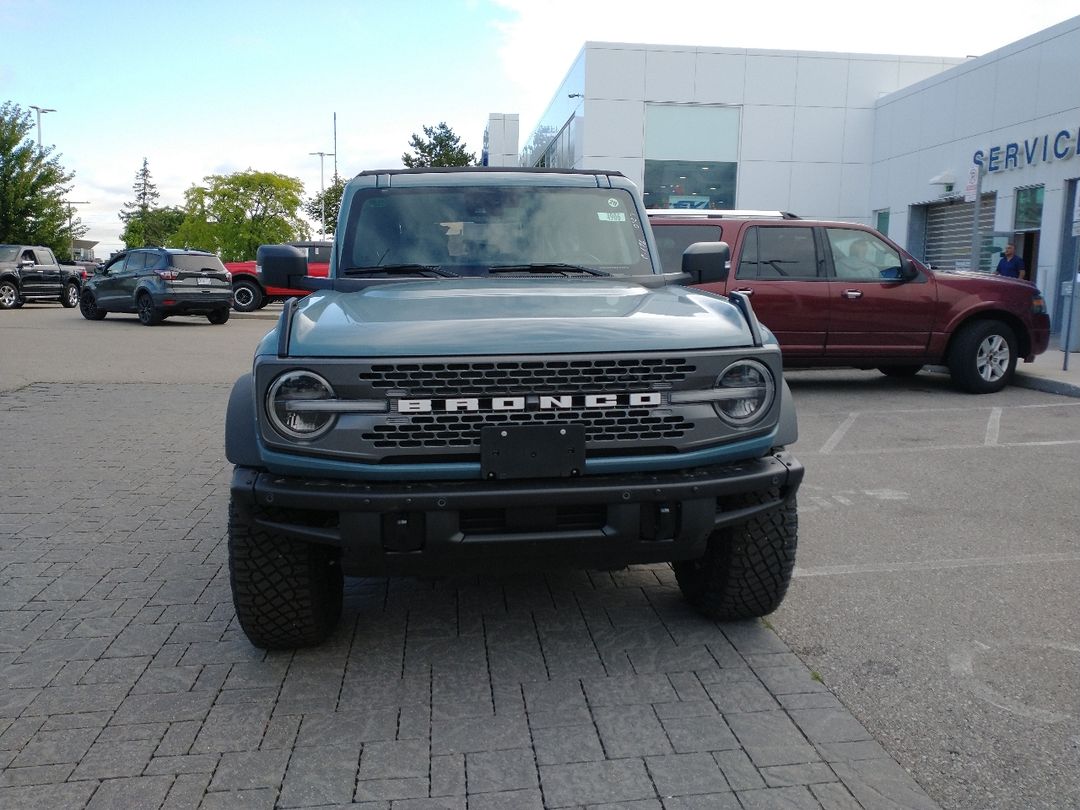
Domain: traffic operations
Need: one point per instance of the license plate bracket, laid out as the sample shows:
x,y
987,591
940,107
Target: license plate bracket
x,y
532,451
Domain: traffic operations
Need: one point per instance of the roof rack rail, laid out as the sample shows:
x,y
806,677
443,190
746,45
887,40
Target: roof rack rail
x,y
719,213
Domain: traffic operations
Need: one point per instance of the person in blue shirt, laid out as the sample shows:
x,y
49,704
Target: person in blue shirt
x,y
1010,264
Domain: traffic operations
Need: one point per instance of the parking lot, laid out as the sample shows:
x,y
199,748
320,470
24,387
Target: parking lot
x,y
927,653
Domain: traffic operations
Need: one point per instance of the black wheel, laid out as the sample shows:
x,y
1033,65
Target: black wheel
x,y
148,314
218,316
9,295
70,298
983,357
900,371
287,593
265,302
746,568
247,297
89,308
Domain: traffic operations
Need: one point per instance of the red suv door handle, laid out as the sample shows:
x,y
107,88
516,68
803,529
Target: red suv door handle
x,y
745,291
852,293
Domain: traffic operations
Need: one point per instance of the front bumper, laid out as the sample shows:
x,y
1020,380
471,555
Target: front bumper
x,y
399,528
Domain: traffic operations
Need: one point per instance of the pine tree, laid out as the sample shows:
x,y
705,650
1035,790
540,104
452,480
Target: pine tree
x,y
146,195
440,148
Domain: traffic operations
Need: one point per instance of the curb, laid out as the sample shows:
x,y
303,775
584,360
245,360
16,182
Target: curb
x,y
1046,384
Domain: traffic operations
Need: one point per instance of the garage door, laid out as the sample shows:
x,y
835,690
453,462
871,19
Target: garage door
x,y
948,233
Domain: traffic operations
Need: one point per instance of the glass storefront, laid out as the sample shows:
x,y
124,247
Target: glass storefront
x,y
691,155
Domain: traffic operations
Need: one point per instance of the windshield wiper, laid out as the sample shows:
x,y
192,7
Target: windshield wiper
x,y
546,267
397,270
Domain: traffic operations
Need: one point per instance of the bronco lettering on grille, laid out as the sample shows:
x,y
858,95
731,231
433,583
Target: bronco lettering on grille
x,y
544,402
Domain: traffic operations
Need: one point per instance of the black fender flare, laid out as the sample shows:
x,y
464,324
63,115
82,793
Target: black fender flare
x,y
241,425
787,430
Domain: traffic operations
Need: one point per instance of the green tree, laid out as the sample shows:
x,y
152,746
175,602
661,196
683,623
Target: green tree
x,y
331,197
232,214
158,226
145,222
32,187
440,147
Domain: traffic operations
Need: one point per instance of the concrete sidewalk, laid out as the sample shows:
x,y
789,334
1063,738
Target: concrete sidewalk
x,y
1046,373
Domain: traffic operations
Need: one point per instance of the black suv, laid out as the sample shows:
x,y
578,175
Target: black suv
x,y
157,283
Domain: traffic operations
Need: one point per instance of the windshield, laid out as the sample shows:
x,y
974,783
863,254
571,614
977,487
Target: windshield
x,y
8,253
508,230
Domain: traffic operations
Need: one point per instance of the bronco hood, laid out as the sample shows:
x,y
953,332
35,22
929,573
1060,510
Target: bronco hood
x,y
512,316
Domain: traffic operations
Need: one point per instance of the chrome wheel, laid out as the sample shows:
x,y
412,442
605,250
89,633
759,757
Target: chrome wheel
x,y
992,360
9,296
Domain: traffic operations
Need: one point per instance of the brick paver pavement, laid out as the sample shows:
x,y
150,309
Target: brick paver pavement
x,y
126,683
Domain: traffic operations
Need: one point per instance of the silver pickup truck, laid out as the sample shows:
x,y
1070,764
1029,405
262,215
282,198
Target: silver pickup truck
x,y
31,273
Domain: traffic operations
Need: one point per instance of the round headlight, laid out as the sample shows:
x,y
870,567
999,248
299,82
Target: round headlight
x,y
292,404
746,390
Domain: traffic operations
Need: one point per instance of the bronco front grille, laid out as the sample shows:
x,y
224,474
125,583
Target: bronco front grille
x,y
442,430
505,378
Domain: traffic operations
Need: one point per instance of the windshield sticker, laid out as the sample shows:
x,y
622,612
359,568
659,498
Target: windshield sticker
x,y
611,216
612,202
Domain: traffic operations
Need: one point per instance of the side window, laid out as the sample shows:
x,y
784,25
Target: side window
x,y
136,262
778,253
117,266
156,261
672,240
45,256
862,256
28,256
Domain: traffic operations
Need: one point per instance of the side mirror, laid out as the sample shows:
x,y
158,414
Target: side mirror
x,y
282,265
706,262
24,263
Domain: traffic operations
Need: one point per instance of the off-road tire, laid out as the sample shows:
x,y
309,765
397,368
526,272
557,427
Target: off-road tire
x,y
89,308
70,297
287,593
900,371
247,297
746,568
983,357
218,316
9,295
149,315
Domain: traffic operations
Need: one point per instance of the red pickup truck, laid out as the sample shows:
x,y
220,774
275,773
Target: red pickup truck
x,y
249,291
841,294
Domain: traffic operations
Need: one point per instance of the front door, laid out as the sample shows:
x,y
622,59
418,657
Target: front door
x,y
107,283
873,315
778,267
31,273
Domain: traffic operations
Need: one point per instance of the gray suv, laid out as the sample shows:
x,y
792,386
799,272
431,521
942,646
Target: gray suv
x,y
158,282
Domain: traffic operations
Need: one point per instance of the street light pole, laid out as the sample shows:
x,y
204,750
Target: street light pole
x,y
71,227
40,111
322,190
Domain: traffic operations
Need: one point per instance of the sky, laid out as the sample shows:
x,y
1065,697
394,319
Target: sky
x,y
200,87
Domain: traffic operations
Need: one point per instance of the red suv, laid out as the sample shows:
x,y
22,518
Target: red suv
x,y
249,291
841,294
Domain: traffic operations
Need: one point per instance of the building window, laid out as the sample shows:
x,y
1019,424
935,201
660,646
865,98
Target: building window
x,y
691,155
1029,206
881,221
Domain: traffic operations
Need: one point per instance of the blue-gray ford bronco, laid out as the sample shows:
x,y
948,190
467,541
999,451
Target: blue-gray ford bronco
x,y
498,374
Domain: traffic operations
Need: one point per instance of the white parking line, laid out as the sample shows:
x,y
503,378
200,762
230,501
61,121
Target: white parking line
x,y
839,433
993,427
936,565
827,449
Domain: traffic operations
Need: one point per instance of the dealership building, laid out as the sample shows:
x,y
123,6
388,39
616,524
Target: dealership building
x,y
918,147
